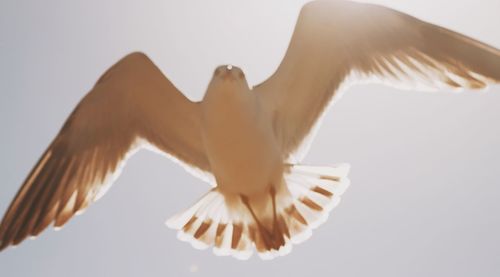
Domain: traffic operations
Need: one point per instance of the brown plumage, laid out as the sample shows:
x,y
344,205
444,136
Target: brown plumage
x,y
246,137
127,103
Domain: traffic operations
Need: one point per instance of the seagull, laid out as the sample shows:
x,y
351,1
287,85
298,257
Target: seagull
x,y
244,141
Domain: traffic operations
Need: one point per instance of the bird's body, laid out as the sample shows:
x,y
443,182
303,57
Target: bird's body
x,y
243,137
238,136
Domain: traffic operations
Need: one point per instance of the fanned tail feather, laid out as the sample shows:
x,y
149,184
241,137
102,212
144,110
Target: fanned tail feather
x,y
211,222
232,225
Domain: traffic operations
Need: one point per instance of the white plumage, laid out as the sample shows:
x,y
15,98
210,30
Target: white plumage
x,y
243,138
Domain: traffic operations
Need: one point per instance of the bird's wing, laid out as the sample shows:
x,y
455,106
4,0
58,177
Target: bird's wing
x,y
334,40
131,102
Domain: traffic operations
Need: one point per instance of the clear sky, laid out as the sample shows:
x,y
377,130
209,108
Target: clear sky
x,y
424,198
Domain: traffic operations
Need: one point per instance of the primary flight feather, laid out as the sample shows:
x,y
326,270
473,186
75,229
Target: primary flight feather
x,y
244,138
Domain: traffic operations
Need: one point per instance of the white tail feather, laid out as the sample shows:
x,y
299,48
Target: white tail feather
x,y
234,228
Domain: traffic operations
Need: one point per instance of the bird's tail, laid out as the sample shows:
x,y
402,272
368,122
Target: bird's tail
x,y
286,214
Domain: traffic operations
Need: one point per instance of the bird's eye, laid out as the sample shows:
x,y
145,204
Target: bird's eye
x,y
229,67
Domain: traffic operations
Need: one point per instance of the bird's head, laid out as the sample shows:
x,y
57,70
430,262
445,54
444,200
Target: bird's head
x,y
229,76
229,73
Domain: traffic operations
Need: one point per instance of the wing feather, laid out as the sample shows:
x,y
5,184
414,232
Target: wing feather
x,y
335,42
131,102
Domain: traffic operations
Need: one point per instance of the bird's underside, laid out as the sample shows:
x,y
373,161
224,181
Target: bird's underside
x,y
276,203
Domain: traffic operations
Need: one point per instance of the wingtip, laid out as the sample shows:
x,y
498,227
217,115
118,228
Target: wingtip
x,y
3,246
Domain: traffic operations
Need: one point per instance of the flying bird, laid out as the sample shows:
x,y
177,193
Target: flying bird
x,y
244,139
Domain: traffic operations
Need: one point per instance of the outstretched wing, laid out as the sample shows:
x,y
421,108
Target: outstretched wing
x,y
131,102
334,40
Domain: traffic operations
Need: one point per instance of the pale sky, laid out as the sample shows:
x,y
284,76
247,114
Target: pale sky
x,y
425,189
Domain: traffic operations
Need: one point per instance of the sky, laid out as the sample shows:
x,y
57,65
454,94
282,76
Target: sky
x,y
425,189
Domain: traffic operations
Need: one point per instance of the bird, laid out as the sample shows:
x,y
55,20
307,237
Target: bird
x,y
246,141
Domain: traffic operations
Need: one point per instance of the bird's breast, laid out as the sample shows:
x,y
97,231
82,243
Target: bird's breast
x,y
240,143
